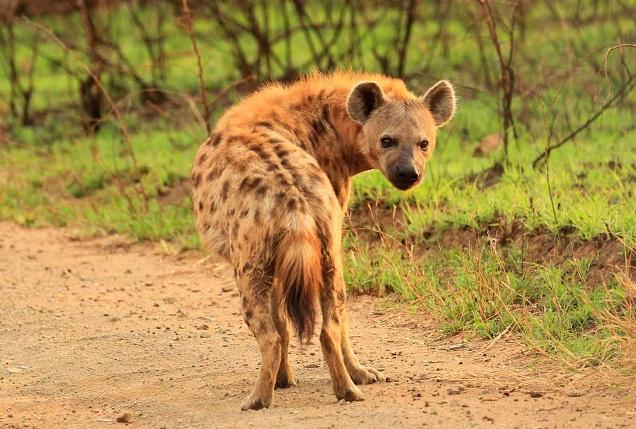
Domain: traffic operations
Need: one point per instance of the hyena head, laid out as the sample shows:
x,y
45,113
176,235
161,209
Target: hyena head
x,y
399,135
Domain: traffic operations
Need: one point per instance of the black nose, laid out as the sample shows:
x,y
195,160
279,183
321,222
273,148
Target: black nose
x,y
408,174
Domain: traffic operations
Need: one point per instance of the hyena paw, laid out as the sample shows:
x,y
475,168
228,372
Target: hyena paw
x,y
255,402
350,394
366,375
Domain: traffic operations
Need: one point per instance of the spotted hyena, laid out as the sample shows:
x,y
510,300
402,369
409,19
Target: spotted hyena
x,y
271,185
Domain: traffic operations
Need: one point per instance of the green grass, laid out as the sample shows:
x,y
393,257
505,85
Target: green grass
x,y
593,188
484,291
52,174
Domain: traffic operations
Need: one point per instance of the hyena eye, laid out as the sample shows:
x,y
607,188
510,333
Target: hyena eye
x,y
387,142
423,144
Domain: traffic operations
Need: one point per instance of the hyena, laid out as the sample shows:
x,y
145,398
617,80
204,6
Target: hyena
x,y
270,188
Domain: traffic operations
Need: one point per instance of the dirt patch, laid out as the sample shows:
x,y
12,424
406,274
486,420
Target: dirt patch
x,y
93,334
607,254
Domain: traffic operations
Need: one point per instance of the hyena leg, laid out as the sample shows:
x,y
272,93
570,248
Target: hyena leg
x,y
359,374
285,376
256,311
331,342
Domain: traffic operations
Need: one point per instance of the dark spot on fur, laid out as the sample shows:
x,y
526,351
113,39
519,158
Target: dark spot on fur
x,y
215,140
196,179
256,181
318,127
202,157
261,190
244,212
262,154
282,180
224,190
249,313
291,204
326,113
282,153
200,205
257,216
265,124
280,197
245,183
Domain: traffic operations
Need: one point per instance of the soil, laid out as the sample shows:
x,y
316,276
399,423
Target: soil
x,y
104,333
607,254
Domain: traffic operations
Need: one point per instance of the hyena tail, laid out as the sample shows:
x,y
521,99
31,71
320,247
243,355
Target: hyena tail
x,y
298,269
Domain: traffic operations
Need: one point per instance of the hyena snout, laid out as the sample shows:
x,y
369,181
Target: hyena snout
x,y
405,175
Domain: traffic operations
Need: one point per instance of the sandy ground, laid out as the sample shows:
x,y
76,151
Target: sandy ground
x,y
92,331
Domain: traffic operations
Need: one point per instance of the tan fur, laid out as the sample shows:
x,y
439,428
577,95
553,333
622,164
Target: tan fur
x,y
270,187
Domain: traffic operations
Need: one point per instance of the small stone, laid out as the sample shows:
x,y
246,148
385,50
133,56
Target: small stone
x,y
227,288
457,346
312,365
455,390
124,418
535,394
14,370
205,335
203,327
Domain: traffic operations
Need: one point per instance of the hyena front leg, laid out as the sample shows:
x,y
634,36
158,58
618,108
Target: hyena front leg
x,y
331,342
285,376
359,374
255,291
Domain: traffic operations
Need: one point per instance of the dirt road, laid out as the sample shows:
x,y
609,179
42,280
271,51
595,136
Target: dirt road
x,y
96,330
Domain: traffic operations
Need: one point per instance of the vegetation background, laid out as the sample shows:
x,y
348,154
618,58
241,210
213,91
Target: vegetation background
x,y
526,222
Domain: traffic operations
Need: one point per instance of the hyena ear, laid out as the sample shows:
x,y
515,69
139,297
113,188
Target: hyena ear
x,y
440,100
363,99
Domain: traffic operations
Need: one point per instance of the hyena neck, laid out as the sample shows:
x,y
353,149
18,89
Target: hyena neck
x,y
334,139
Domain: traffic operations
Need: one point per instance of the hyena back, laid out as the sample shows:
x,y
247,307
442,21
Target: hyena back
x,y
270,188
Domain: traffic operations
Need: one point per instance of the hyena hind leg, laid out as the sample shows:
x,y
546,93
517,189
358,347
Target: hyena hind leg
x,y
255,293
285,376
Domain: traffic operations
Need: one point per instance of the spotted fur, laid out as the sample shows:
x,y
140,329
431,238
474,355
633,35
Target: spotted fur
x,y
270,187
